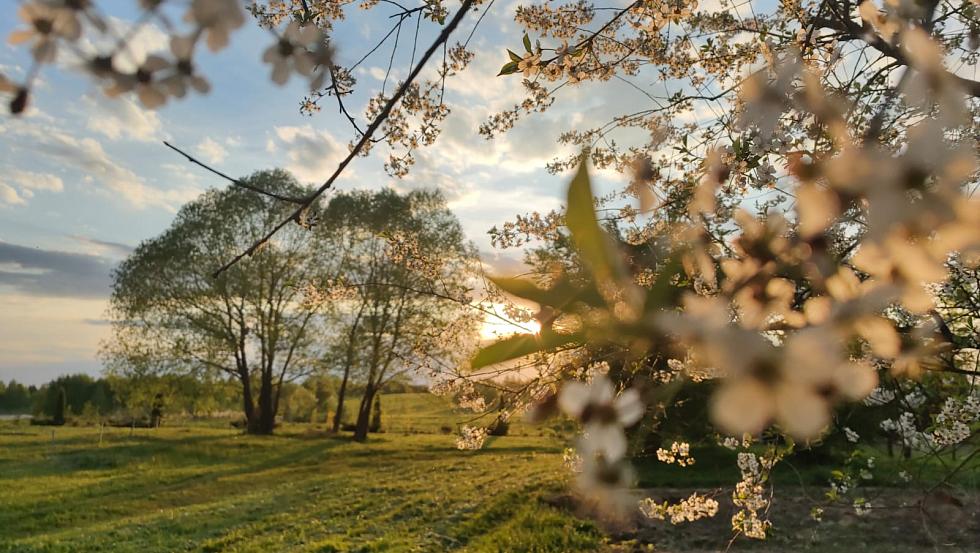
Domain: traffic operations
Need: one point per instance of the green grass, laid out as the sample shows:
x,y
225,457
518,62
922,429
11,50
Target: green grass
x,y
211,489
431,414
203,486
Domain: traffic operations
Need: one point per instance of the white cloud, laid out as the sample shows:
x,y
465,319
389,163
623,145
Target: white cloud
x,y
313,155
9,196
211,150
120,118
29,180
87,156
17,186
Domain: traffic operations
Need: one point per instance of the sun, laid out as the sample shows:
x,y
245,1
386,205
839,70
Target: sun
x,y
498,327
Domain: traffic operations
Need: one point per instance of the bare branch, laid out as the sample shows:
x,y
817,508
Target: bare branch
x,y
236,182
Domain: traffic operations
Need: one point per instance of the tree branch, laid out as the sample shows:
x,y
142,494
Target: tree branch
x,y
236,182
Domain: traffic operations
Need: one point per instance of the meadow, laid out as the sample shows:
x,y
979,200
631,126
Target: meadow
x,y
208,487
205,486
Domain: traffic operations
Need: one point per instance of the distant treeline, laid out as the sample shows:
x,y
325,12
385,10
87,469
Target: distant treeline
x,y
82,392
125,399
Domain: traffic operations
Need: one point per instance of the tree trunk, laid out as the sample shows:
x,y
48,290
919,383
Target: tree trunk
x,y
251,420
340,400
267,410
364,414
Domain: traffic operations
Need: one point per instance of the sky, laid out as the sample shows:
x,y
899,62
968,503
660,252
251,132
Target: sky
x,y
84,178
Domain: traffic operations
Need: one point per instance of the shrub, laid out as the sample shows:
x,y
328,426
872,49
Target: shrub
x,y
60,406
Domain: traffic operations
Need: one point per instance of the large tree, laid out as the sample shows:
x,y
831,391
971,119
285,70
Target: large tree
x,y
405,294
172,315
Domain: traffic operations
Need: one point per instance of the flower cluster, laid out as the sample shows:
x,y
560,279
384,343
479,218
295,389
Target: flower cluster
x,y
952,423
76,27
471,438
689,509
749,495
679,452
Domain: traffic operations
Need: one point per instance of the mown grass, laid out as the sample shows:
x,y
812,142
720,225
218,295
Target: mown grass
x,y
204,486
212,489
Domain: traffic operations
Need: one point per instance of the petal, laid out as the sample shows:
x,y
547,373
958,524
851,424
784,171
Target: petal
x,y
20,36
601,390
629,407
155,63
44,51
200,84
304,63
217,39
292,31
67,26
609,440
800,411
741,406
182,47
280,72
573,398
151,97
855,380
309,34
271,54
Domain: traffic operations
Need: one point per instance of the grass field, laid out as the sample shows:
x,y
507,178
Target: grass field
x,y
206,489
197,486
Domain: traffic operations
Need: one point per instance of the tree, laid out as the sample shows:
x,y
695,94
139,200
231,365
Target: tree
x,y
16,398
156,411
60,407
405,296
172,316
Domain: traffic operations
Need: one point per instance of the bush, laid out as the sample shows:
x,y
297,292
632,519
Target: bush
x,y
500,427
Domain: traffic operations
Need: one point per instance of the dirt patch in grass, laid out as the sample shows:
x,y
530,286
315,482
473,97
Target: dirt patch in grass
x,y
900,521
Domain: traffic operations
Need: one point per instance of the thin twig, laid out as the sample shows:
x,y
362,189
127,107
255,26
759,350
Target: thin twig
x,y
236,182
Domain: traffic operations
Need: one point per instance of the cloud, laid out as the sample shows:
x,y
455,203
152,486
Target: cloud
x,y
52,273
87,156
211,150
104,247
17,186
312,154
120,118
9,195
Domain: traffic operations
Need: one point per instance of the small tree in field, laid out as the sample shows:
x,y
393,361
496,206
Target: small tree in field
x,y
60,407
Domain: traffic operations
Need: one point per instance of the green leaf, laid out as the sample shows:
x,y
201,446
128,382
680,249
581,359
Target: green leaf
x,y
508,68
560,296
527,43
592,243
513,55
663,288
518,346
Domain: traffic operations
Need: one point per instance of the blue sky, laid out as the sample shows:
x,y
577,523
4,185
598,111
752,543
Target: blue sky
x,y
83,179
